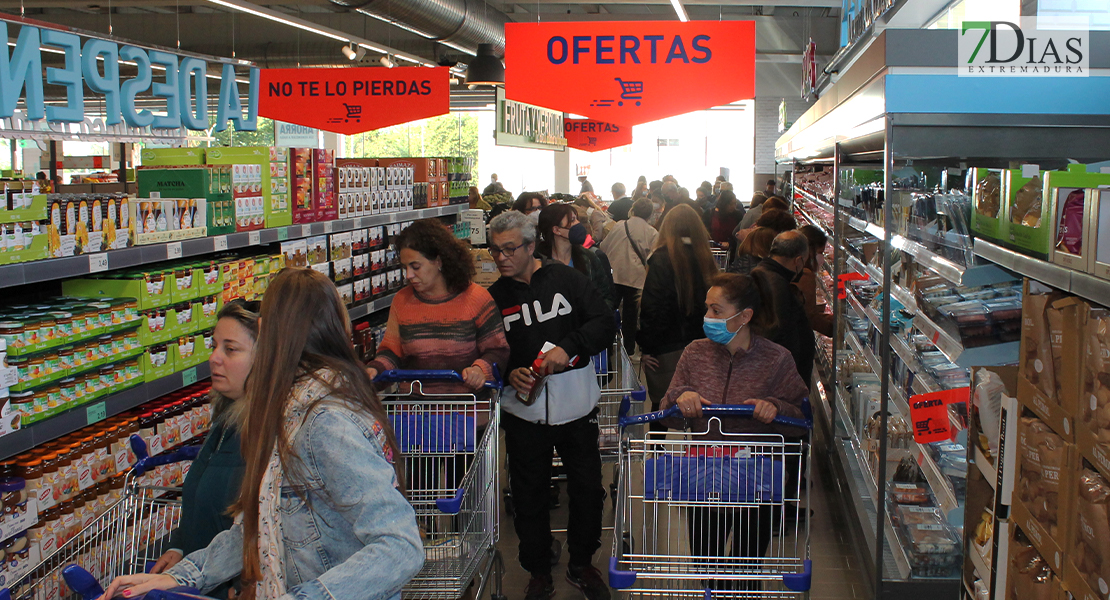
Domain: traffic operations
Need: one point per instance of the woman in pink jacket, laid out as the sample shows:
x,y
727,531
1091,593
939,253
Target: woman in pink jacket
x,y
736,365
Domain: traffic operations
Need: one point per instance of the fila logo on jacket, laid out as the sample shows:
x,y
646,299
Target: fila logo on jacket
x,y
559,307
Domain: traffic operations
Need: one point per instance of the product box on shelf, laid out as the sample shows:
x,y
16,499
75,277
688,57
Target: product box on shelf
x,y
159,220
1093,421
300,185
22,205
1039,386
1099,226
1087,572
486,272
1068,196
255,186
1029,574
323,185
192,183
295,252
82,224
1045,472
152,289
1027,228
172,157
317,248
986,199
159,361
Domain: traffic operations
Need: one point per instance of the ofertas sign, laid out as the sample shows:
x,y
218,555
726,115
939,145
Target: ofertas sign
x,y
929,413
354,100
178,81
630,72
526,126
592,136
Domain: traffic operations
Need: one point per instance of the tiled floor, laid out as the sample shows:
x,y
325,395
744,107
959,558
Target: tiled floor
x,y
837,573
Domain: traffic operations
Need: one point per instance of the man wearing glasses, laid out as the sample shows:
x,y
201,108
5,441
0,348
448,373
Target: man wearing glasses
x,y
554,321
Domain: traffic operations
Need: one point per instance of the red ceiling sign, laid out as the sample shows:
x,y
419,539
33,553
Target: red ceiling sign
x,y
592,136
354,100
630,72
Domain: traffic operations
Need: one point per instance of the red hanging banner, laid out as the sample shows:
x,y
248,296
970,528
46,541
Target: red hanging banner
x,y
630,72
354,100
592,136
929,414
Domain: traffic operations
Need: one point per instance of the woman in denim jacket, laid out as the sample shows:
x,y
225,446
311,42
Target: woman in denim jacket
x,y
320,513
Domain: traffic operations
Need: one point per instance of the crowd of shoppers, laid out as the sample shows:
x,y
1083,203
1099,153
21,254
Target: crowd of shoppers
x,y
303,477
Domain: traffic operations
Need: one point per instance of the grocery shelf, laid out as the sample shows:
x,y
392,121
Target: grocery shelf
x,y
76,266
1057,276
78,417
898,292
974,276
358,312
1005,353
816,222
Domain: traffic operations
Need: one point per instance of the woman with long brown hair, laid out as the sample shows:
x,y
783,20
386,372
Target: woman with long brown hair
x,y
756,247
321,512
673,301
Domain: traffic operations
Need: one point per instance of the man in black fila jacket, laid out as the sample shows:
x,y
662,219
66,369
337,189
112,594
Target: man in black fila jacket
x,y
549,307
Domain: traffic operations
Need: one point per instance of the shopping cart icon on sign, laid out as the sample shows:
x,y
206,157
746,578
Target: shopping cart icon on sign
x,y
591,141
630,90
353,113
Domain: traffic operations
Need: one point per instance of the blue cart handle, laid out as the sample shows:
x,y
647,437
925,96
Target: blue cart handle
x,y
147,462
714,410
400,375
84,584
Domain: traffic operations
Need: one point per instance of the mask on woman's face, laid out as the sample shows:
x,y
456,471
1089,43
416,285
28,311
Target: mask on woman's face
x,y
577,234
534,216
717,329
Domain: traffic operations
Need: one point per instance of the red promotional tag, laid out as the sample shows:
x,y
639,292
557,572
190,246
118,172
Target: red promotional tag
x,y
354,100
592,136
844,278
929,414
630,72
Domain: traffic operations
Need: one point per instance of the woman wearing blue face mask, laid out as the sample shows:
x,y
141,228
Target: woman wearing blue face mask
x,y
735,365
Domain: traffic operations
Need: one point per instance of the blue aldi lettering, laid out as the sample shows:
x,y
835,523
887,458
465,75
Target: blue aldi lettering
x,y
629,49
183,83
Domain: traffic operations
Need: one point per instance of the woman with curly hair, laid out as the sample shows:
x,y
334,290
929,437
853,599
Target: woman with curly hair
x,y
441,320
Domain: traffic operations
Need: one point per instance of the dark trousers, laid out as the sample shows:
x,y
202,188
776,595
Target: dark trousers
x,y
629,298
529,447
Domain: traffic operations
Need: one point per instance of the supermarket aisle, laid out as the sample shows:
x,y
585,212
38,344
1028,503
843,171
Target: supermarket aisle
x,y
837,575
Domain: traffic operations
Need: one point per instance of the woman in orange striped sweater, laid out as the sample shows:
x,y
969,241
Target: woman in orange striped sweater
x,y
441,320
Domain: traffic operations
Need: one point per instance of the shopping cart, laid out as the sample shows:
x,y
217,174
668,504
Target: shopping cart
x,y
449,442
125,539
682,494
720,255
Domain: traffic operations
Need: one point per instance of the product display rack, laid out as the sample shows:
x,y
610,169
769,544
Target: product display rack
x,y
901,108
85,414
76,266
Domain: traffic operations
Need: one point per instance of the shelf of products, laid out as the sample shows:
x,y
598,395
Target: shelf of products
x,y
85,264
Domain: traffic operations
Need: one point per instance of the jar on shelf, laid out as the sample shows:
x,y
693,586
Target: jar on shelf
x,y
12,332
63,325
41,401
13,496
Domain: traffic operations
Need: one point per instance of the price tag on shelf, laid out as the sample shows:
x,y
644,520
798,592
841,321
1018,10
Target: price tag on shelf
x,y
189,376
219,243
254,238
283,234
328,225
1030,171
306,230
173,250
98,262
96,413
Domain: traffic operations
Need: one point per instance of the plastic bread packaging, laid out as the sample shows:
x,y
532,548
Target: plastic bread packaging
x,y
1092,535
1030,576
1026,209
987,193
1037,364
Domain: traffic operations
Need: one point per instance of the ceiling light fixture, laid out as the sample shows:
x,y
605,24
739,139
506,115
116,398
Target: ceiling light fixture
x,y
486,68
309,26
354,52
387,62
681,10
